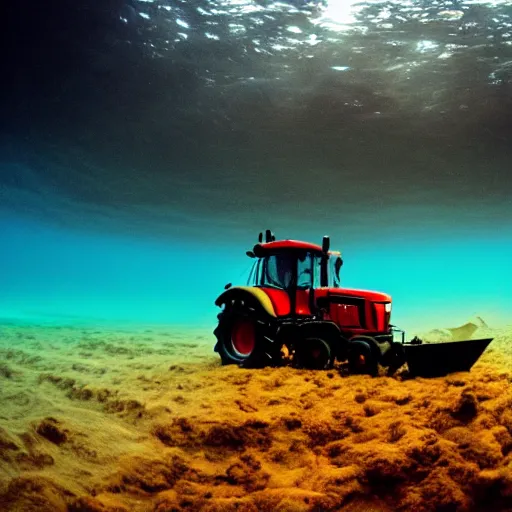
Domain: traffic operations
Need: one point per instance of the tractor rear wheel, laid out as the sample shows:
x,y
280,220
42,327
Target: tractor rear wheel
x,y
242,335
361,360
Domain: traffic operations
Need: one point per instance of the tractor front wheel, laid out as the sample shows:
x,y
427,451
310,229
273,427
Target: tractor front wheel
x,y
361,360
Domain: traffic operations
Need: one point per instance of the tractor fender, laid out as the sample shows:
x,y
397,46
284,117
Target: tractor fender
x,y
249,292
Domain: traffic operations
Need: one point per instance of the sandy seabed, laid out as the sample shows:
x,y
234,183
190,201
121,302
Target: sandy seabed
x,y
148,420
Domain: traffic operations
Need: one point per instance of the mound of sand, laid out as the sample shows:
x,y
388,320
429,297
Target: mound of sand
x,y
148,420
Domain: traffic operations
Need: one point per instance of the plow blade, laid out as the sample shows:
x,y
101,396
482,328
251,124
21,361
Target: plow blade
x,y
439,359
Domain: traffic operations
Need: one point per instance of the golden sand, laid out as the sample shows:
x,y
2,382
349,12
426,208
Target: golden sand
x,y
106,420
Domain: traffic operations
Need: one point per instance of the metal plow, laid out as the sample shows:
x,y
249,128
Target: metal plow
x,y
439,359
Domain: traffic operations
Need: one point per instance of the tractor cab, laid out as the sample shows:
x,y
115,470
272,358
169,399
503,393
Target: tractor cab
x,y
291,264
290,271
287,267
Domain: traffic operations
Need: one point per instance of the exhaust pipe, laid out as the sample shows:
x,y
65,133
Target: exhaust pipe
x,y
269,236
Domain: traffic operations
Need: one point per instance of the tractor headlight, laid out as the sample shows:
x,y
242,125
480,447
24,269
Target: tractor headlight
x,y
387,307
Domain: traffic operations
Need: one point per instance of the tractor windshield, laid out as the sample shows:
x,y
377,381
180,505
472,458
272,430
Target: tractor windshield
x,y
308,271
277,270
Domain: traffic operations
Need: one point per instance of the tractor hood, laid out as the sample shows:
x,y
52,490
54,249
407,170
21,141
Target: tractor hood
x,y
355,293
276,302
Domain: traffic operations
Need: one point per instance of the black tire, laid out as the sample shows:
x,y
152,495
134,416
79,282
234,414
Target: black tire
x,y
313,353
237,323
378,349
394,358
361,360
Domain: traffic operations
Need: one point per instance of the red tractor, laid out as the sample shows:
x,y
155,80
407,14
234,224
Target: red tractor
x,y
294,310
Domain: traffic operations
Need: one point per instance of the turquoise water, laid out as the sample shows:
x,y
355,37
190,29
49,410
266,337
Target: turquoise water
x,y
56,274
49,272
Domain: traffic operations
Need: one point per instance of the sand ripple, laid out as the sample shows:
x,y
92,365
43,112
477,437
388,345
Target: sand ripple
x,y
148,421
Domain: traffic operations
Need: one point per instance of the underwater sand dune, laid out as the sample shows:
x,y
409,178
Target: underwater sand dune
x,y
147,420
